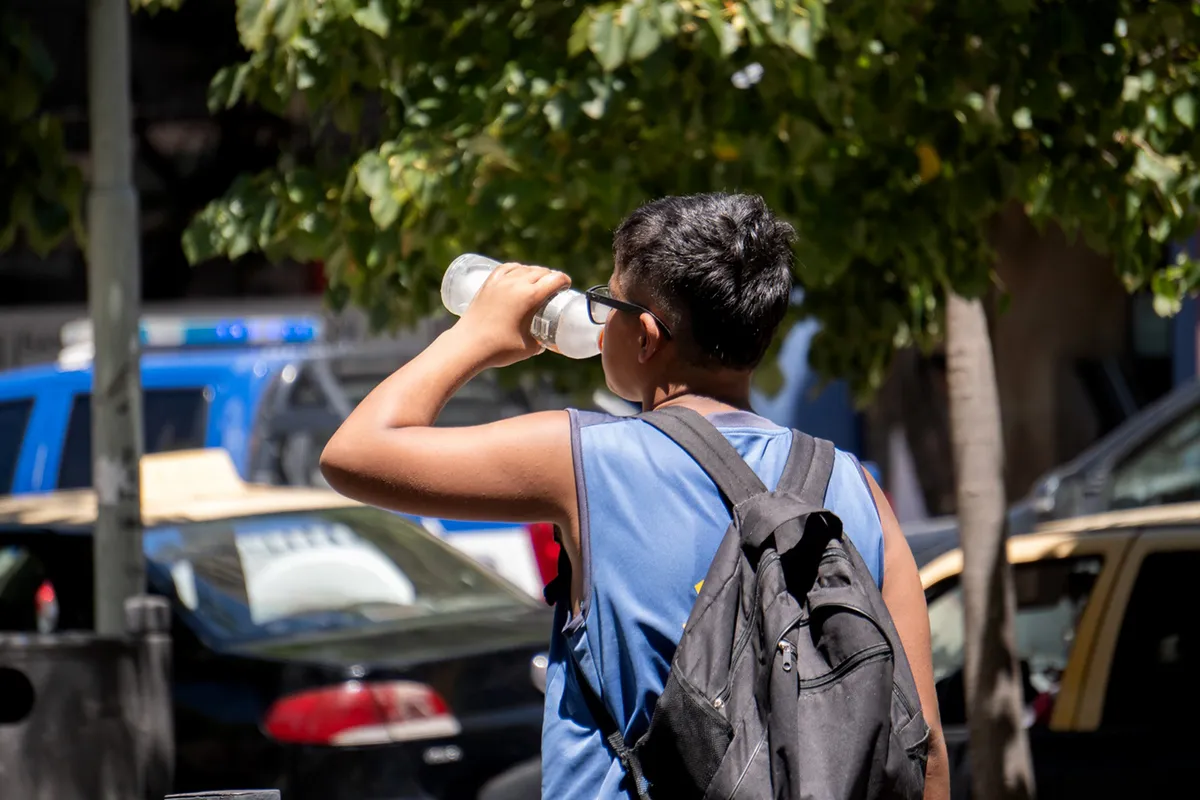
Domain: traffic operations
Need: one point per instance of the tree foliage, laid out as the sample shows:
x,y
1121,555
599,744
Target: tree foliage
x,y
40,190
888,132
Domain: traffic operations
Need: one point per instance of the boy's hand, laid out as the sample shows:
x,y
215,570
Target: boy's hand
x,y
499,318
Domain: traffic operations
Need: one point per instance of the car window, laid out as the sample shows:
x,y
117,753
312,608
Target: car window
x,y
275,575
20,574
47,585
14,417
1153,679
1165,470
172,419
480,401
291,457
1051,596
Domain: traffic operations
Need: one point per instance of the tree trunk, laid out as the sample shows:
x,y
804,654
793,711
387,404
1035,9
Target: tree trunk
x,y
1001,767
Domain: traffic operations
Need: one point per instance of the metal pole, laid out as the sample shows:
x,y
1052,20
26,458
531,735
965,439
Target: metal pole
x,y
113,297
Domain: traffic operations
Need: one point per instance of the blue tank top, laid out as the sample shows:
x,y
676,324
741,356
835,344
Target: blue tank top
x,y
650,524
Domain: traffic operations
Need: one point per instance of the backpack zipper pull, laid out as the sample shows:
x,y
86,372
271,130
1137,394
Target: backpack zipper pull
x,y
789,654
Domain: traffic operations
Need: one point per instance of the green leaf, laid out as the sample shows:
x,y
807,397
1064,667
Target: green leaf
x,y
644,38
596,107
726,35
374,18
373,175
1184,106
555,111
260,20
606,41
225,89
668,19
764,10
1167,305
800,37
1162,171
375,178
577,42
200,239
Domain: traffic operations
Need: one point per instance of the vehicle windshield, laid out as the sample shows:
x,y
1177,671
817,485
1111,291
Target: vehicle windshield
x,y
282,574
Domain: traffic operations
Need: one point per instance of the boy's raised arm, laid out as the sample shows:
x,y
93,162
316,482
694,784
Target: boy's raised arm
x,y
387,452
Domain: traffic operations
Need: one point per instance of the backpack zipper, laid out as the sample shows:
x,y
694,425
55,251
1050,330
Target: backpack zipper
x,y
912,712
789,654
908,707
855,661
744,638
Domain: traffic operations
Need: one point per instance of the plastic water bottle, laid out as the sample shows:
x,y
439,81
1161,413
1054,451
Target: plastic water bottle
x,y
562,324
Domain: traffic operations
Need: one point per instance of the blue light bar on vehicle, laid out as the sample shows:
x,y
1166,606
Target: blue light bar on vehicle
x,y
170,332
162,332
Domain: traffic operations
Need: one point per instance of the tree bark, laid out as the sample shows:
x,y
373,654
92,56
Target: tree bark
x,y
1001,767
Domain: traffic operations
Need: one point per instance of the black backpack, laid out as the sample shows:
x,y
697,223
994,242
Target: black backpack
x,y
790,680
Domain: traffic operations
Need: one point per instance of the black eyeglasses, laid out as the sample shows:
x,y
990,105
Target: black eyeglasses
x,y
601,303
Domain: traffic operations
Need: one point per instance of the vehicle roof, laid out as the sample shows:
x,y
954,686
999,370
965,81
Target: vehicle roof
x,y
177,487
234,358
160,359
1149,516
1049,536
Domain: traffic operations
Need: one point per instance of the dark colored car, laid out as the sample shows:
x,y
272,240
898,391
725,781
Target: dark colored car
x,y
1151,459
321,647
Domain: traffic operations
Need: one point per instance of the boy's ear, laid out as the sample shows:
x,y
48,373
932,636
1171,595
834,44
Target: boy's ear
x,y
650,338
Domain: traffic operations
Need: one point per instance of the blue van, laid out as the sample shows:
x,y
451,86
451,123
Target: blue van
x,y
270,391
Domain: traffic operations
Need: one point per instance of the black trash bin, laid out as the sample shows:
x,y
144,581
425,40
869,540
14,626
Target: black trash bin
x,y
84,716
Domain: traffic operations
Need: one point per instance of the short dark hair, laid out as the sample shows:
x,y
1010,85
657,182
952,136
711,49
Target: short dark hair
x,y
718,266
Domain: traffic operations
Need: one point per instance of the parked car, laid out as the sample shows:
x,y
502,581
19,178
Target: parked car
x,y
320,646
1109,646
1150,459
268,391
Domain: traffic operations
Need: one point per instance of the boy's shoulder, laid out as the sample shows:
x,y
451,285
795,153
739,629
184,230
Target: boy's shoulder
x,y
592,416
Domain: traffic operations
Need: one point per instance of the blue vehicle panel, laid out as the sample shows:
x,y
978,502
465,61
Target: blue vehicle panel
x,y
232,385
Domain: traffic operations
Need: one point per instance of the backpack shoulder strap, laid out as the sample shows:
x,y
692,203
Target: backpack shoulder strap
x,y
612,734
710,449
808,468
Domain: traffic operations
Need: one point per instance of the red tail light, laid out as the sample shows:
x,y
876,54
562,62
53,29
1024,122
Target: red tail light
x,y
358,713
45,594
545,550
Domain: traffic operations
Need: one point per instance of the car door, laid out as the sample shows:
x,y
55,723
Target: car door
x,y
15,414
1139,703
1062,582
174,418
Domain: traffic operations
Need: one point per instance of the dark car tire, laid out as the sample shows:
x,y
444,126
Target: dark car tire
x,y
522,782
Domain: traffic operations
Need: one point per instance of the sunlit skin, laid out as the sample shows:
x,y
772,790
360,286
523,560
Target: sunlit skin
x,y
387,453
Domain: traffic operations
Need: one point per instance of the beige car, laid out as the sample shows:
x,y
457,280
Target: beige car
x,y
1108,634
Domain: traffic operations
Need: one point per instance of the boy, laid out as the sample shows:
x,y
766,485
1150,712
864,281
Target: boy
x,y
699,286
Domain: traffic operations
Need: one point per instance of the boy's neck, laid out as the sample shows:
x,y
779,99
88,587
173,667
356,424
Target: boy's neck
x,y
707,392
